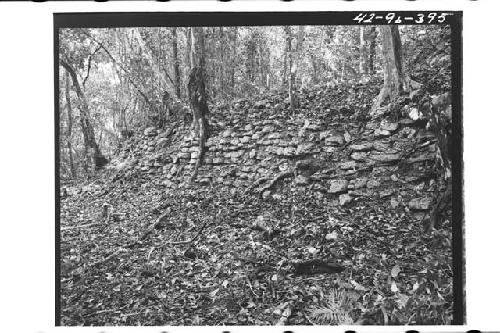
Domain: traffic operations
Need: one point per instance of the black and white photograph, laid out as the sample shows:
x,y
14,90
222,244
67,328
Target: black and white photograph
x,y
246,169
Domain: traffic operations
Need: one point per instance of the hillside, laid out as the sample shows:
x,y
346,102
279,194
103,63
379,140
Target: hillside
x,y
283,202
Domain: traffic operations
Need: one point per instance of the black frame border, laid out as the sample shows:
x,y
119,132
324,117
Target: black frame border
x,y
188,19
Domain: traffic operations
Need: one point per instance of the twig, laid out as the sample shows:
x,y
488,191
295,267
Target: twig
x,y
276,179
251,289
108,257
188,241
309,320
79,226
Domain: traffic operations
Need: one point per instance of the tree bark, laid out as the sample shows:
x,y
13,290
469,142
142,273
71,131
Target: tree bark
x,y
177,74
222,64
199,107
371,61
197,94
291,67
233,61
69,129
362,53
395,80
88,131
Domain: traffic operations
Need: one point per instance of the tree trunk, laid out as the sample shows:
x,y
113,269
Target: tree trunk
x,y
199,107
88,131
222,64
162,75
395,81
373,39
70,128
362,53
292,69
177,74
233,61
197,94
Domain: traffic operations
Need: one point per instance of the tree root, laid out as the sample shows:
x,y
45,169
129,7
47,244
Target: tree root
x,y
270,186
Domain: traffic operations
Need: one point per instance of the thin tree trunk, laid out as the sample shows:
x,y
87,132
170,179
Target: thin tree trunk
x,y
291,66
221,64
373,38
87,129
233,61
70,128
177,75
129,76
189,38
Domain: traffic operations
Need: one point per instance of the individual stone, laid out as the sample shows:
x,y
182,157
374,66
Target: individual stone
x,y
347,165
302,180
334,140
305,147
347,136
227,133
266,194
385,158
150,131
184,156
275,135
362,146
323,135
162,142
381,133
420,203
260,104
168,183
381,146
358,156
267,129
386,193
245,139
360,182
388,126
248,127
372,183
256,136
344,199
337,186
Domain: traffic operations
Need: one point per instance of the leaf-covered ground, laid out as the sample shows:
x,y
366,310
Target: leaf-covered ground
x,y
134,253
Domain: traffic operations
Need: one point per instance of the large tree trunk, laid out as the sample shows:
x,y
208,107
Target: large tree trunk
x,y
69,129
197,94
199,107
395,80
177,74
291,67
88,131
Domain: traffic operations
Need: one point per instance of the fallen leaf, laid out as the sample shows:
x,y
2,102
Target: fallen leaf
x,y
213,293
394,287
395,271
332,236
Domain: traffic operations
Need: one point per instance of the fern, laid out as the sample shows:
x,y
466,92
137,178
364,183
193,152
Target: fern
x,y
335,311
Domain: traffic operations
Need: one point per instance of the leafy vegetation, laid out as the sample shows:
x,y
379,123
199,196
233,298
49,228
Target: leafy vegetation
x,y
331,188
